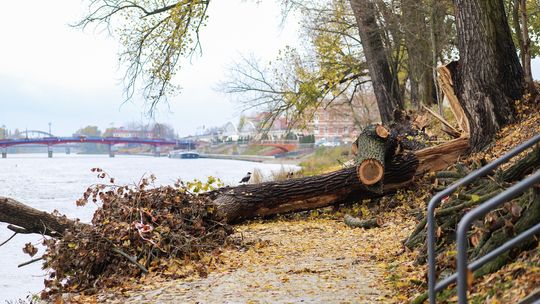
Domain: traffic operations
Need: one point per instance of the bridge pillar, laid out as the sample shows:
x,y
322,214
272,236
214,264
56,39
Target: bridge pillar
x,y
157,151
49,151
111,151
68,150
4,152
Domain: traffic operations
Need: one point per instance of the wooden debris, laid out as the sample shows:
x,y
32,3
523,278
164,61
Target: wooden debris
x,y
354,222
447,86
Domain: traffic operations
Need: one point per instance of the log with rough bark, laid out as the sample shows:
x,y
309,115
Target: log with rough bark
x,y
29,220
371,153
343,186
354,222
249,201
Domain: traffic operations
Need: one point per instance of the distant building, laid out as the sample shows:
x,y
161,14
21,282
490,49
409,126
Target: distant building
x,y
125,133
336,121
278,130
339,121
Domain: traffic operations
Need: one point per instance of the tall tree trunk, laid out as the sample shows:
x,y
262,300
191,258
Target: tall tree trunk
x,y
489,77
517,28
418,49
415,100
436,19
426,86
385,84
526,49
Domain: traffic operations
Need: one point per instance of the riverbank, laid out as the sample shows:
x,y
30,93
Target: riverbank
x,y
56,183
256,158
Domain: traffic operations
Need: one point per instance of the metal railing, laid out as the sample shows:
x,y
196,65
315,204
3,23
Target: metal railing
x,y
435,202
480,211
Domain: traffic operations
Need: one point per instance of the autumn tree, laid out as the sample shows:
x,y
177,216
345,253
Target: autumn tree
x,y
155,34
488,76
524,23
162,130
384,82
427,35
329,67
91,147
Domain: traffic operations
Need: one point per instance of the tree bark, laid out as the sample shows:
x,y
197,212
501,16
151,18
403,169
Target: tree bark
x,y
30,220
418,50
415,100
526,49
489,76
385,84
259,200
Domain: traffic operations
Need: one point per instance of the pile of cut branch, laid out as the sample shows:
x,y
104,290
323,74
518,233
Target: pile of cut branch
x,y
494,229
136,229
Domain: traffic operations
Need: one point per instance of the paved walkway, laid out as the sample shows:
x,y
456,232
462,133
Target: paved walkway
x,y
301,261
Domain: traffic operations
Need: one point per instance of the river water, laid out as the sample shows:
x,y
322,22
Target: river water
x,y
55,183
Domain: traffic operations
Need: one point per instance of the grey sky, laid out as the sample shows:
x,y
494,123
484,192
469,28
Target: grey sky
x,y
50,72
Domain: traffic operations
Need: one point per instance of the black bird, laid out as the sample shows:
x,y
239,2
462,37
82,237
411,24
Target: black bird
x,y
246,178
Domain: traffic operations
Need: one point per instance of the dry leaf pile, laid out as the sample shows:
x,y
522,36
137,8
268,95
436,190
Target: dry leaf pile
x,y
136,229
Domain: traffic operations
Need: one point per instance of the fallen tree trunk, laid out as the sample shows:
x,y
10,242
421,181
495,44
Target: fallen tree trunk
x,y
29,220
244,202
266,199
259,200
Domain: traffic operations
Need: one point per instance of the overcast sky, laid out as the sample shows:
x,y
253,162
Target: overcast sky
x,y
50,72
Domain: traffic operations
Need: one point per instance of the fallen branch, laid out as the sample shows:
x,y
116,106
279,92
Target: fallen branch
x,y
17,229
131,259
354,222
9,239
31,220
30,262
452,131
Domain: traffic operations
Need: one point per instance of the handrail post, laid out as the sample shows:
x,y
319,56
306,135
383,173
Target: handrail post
x,y
432,277
462,248
435,201
469,218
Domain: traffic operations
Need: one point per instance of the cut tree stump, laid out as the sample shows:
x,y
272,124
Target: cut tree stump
x,y
372,150
370,171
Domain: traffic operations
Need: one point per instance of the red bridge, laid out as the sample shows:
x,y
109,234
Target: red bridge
x,y
51,141
283,145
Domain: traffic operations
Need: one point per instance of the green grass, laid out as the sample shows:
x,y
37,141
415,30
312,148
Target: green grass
x,y
324,160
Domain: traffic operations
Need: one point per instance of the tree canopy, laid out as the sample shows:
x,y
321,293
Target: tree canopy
x,y
395,45
155,34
